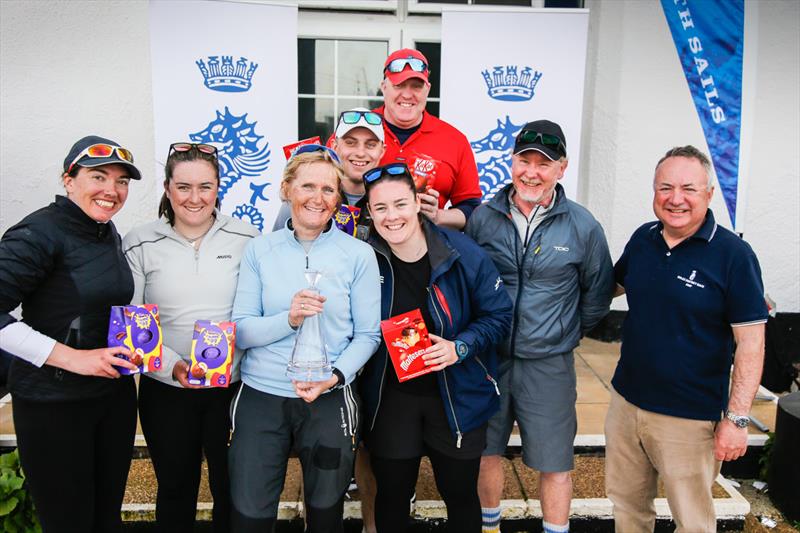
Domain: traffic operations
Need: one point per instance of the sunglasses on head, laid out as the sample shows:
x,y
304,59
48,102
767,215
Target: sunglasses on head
x,y
398,65
545,139
354,117
308,148
102,150
185,147
394,169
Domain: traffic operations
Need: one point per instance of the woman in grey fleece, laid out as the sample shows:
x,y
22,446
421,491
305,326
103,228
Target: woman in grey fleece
x,y
187,262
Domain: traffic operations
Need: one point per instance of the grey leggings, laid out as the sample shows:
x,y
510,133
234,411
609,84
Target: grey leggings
x,y
266,428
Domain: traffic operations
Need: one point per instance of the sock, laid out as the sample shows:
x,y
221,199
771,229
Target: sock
x,y
491,519
547,527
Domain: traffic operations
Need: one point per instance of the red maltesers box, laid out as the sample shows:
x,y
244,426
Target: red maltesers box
x,y
407,338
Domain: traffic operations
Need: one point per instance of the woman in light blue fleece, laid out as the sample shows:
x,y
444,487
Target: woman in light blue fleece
x,y
272,414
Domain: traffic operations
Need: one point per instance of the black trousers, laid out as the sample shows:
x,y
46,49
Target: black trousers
x,y
408,427
456,479
76,457
180,425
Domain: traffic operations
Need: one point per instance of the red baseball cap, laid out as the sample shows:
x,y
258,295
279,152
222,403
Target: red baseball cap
x,y
404,64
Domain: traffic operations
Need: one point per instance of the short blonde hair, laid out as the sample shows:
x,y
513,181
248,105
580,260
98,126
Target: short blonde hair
x,y
308,158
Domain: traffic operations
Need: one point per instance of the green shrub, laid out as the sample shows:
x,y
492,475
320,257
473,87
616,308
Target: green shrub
x,y
766,456
16,506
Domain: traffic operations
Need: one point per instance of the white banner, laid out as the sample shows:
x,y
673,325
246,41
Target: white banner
x,y
502,68
225,74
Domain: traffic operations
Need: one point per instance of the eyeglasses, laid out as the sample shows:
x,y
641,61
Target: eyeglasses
x,y
354,117
394,169
103,151
398,65
545,139
185,147
308,148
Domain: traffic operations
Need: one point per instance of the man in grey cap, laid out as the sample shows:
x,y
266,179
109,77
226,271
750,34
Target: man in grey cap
x,y
554,261
358,140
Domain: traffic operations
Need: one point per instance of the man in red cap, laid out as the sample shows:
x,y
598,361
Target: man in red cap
x,y
431,148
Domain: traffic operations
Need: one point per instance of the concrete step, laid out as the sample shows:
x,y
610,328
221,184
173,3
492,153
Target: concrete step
x,y
590,510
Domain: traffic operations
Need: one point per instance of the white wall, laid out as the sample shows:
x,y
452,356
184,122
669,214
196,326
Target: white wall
x,y
72,68
69,69
638,105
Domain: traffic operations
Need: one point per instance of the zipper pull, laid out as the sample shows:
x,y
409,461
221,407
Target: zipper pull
x,y
230,437
496,388
458,439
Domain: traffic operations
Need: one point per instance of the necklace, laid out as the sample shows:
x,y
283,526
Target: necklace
x,y
194,242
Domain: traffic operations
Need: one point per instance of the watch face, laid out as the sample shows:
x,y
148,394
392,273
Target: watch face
x,y
461,349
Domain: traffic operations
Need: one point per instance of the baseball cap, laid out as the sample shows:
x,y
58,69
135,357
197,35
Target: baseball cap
x,y
543,136
117,154
364,118
396,78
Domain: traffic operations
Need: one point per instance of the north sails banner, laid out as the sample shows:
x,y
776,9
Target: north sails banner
x,y
225,73
499,72
709,38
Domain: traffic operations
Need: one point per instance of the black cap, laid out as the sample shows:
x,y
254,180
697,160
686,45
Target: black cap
x,y
544,127
90,162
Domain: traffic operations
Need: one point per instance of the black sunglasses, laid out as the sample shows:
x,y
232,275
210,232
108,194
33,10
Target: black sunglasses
x,y
393,169
545,139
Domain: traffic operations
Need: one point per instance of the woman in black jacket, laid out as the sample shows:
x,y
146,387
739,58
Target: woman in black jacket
x,y
74,416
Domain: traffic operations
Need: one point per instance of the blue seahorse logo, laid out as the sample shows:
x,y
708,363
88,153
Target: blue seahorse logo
x,y
493,156
239,157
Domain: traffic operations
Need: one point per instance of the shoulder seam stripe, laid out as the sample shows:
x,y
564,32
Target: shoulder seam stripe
x,y
144,242
236,233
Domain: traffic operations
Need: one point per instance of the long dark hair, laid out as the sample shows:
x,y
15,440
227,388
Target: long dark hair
x,y
164,206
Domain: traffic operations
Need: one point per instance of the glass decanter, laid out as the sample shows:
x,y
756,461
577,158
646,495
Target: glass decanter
x,y
309,361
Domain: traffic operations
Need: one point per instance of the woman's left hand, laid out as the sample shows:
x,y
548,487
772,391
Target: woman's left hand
x,y
442,354
310,390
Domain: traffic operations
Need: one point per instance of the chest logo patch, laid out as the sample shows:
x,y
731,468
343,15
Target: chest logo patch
x,y
690,282
561,248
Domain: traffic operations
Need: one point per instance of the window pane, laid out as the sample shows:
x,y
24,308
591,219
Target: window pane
x,y
433,51
350,103
442,1
361,67
503,2
563,3
315,117
315,59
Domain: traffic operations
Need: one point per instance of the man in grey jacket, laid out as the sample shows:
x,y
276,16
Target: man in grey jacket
x,y
554,260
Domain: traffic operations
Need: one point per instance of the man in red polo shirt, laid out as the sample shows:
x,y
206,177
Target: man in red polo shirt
x,y
429,146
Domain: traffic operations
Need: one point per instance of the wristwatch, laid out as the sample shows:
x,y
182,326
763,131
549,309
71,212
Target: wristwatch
x,y
461,350
740,421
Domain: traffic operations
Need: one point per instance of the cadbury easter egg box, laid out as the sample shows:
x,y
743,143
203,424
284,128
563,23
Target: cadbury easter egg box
x,y
138,328
212,353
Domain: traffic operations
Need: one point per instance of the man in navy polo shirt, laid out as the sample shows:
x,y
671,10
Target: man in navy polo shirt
x,y
693,288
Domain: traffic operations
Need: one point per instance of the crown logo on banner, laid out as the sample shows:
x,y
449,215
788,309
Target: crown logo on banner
x,y
505,84
225,75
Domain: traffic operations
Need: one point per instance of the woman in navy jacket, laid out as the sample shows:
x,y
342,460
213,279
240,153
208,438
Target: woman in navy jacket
x,y
442,414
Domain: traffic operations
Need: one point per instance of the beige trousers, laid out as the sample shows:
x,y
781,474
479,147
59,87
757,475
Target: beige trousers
x,y
642,446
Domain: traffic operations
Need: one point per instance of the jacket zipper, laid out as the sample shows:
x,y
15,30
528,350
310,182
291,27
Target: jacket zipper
x,y
386,359
444,374
520,264
488,376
